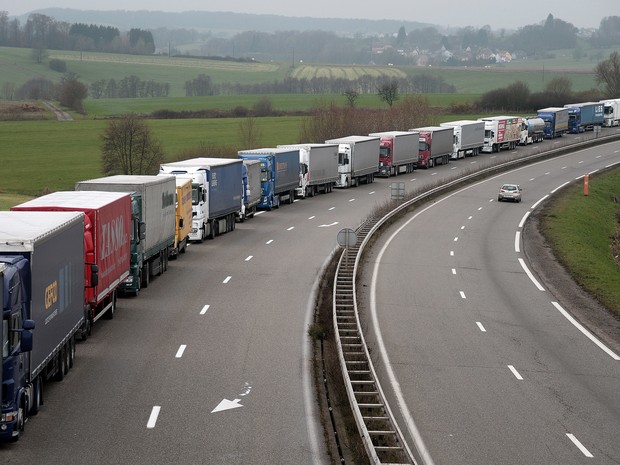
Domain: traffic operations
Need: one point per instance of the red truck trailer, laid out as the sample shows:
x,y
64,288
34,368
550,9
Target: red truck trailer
x,y
107,235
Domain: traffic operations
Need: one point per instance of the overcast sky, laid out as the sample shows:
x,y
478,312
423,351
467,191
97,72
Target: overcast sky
x,y
454,13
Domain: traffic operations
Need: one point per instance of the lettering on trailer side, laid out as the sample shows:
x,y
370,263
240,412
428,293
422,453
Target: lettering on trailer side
x,y
113,236
51,294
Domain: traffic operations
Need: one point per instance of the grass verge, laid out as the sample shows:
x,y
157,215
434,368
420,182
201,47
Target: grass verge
x,y
581,231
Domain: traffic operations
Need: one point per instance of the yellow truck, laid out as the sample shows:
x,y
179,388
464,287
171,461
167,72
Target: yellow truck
x,y
183,215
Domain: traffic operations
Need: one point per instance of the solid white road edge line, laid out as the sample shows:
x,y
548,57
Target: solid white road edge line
x,y
560,187
517,239
585,332
536,204
522,222
530,275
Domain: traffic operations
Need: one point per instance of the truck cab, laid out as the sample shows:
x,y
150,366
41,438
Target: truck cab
x,y
386,160
16,339
344,165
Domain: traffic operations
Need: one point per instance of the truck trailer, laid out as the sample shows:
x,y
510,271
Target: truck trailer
x,y
250,174
217,193
42,288
501,132
435,145
398,152
279,174
183,216
468,137
556,121
612,112
358,159
585,116
532,130
318,168
153,219
107,237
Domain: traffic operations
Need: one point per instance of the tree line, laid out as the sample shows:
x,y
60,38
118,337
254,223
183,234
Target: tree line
x,y
44,32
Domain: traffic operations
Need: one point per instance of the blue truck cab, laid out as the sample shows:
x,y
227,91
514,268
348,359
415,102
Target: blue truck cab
x,y
556,121
585,116
279,174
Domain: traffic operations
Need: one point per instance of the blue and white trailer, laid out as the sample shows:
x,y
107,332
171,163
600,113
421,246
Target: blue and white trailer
x,y
556,121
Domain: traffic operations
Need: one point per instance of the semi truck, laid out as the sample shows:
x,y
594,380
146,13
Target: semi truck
x,y
612,112
153,223
501,132
42,281
435,145
107,237
468,137
318,168
183,216
279,174
217,187
556,121
250,173
398,152
585,116
358,159
532,130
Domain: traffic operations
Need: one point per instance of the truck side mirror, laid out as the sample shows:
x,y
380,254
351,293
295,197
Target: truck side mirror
x,y
94,275
28,325
142,231
180,222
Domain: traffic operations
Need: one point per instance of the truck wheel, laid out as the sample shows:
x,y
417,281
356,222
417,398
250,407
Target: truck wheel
x,y
37,394
60,365
71,352
146,275
67,353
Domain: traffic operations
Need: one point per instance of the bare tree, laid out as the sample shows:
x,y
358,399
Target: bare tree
x,y
249,133
129,148
72,92
351,96
388,92
608,73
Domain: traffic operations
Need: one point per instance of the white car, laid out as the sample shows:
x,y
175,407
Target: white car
x,y
509,192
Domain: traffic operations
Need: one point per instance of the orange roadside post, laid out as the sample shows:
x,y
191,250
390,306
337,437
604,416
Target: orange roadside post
x,y
586,187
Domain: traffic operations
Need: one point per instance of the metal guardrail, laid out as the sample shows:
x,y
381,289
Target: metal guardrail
x,y
383,439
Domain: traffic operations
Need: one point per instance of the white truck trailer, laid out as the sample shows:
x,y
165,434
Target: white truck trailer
x,y
468,137
358,159
318,168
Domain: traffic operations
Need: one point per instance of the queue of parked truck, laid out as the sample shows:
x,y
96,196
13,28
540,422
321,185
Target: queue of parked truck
x,y
66,257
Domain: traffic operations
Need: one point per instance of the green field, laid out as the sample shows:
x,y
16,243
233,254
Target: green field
x,y
17,67
579,229
39,155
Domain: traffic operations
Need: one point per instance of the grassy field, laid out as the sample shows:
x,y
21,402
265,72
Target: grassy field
x,y
579,229
17,67
39,155
282,102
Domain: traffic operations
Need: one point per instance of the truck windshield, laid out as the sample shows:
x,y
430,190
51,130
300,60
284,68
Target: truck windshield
x,y
195,194
384,152
264,175
423,146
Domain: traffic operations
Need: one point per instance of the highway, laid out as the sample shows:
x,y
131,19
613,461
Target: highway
x,y
489,366
211,364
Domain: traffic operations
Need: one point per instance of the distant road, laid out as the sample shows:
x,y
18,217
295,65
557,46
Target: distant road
x,y
61,115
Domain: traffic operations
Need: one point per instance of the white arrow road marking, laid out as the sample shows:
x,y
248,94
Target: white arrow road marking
x,y
328,225
227,405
